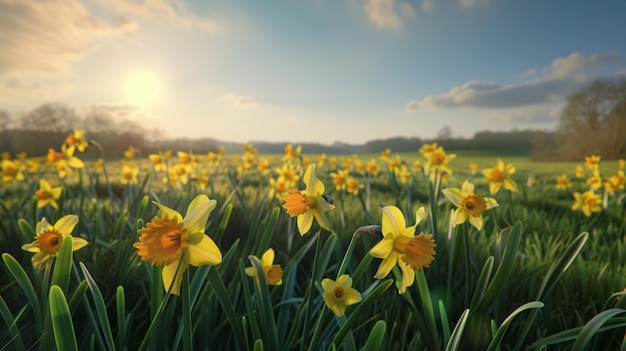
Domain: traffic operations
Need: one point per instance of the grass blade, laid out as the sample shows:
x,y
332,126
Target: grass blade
x,y
61,320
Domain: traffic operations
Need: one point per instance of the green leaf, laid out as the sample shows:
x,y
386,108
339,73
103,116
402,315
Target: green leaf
x,y
27,287
457,333
26,229
121,316
63,265
592,327
495,342
375,339
61,320
11,324
101,311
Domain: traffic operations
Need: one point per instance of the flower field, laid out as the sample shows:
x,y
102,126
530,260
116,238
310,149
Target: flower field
x,y
427,250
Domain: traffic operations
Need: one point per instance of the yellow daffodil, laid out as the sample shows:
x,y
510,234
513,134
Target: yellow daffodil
x,y
291,153
6,155
332,162
202,179
384,155
372,167
592,161
587,202
309,203
394,163
339,179
500,176
22,156
621,163
170,241
213,159
563,182
130,152
75,141
320,160
46,194
340,294
353,186
49,237
11,170
595,181
129,174
417,165
158,162
403,174
400,245
264,166
278,187
469,205
437,161
615,182
473,168
428,149
579,172
66,157
288,173
273,273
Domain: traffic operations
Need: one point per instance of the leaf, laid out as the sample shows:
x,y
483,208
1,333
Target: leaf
x,y
61,320
27,287
101,311
457,333
592,327
375,339
497,338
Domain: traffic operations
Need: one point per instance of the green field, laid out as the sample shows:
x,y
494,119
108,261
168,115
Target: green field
x,y
537,275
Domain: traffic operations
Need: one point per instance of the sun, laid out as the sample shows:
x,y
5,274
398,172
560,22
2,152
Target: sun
x,y
141,88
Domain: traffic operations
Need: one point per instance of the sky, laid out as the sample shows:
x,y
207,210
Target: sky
x,y
321,71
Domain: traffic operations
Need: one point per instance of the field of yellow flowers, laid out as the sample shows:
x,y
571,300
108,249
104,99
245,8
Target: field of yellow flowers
x,y
243,251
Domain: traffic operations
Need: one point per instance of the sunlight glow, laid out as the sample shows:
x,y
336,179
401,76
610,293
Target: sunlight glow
x,y
141,88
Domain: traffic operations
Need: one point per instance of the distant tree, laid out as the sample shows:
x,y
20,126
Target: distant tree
x,y
49,117
97,121
5,120
444,133
594,122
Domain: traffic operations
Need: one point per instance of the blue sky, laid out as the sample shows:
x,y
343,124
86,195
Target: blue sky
x,y
310,71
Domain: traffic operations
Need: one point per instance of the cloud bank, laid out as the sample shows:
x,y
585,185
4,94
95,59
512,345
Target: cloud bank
x,y
563,77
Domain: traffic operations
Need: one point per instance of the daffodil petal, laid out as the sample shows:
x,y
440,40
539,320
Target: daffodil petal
x,y
169,272
386,265
40,258
490,203
393,220
268,258
78,243
169,212
344,281
30,247
305,221
383,248
351,296
476,221
454,195
66,224
205,252
459,217
252,272
328,284
198,213
42,225
321,219
408,276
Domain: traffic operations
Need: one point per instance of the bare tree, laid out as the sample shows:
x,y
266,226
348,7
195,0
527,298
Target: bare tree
x,y
50,117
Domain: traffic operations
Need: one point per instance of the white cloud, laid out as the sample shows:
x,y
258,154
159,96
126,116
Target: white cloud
x,y
239,101
412,105
45,37
564,76
173,12
14,90
388,14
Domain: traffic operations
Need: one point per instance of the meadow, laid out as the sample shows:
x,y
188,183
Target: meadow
x,y
428,250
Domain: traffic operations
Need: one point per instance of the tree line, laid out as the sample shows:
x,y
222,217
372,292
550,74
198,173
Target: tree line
x,y
592,122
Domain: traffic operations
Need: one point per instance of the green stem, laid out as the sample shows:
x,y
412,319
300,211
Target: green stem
x,y
187,328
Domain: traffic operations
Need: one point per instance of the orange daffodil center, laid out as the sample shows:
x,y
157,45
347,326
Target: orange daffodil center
x,y
469,205
401,246
309,203
174,242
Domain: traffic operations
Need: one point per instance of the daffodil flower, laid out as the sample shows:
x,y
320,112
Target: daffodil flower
x,y
500,176
46,194
587,202
308,204
340,294
469,205
400,245
170,241
273,273
49,237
